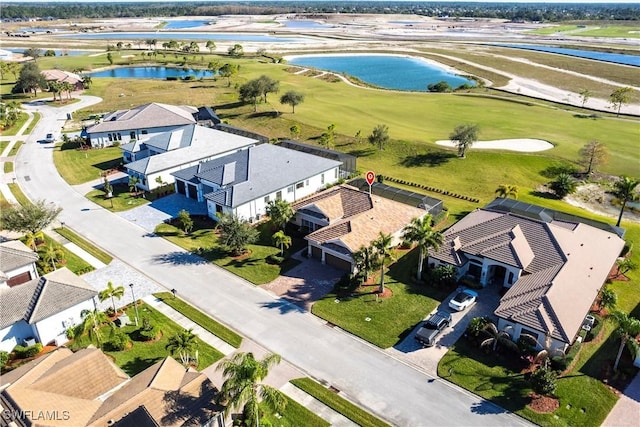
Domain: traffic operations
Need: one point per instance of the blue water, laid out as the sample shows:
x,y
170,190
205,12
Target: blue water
x,y
151,73
187,36
59,52
182,24
306,24
617,58
387,71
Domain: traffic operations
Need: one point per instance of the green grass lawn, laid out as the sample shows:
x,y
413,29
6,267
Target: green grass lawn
x,y
80,166
294,415
18,194
3,145
8,167
15,148
252,267
338,404
122,199
13,130
36,118
72,261
84,244
200,318
390,319
144,354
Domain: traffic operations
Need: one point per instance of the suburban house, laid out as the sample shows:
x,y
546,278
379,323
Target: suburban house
x,y
244,183
154,158
17,264
343,219
552,265
42,309
87,389
60,76
144,121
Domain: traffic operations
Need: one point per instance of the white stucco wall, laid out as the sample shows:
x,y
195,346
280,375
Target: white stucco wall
x,y
101,139
14,335
52,328
515,329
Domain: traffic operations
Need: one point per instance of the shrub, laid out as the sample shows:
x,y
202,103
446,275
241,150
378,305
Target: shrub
x,y
26,352
544,381
110,312
148,331
560,364
275,259
4,358
70,332
118,341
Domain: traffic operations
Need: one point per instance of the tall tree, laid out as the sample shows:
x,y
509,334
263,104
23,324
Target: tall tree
x,y
33,52
30,218
463,136
30,79
111,292
625,190
53,254
279,212
627,329
243,385
379,137
32,239
184,344
563,185
92,321
592,155
282,240
267,85
236,51
184,221
292,98
211,45
227,71
420,232
251,92
365,260
620,97
236,234
507,190
133,183
383,250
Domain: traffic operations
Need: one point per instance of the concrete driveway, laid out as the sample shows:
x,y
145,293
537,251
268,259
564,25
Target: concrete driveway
x,y
427,359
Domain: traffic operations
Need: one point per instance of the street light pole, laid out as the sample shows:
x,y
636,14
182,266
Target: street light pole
x,y
135,304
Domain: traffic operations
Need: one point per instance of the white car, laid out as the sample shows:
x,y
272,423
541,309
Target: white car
x,y
463,299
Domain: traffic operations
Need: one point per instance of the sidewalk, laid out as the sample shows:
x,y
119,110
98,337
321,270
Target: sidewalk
x,y
95,262
626,411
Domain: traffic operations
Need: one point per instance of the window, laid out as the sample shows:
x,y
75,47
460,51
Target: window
x,y
110,137
119,136
290,189
132,135
300,185
322,179
279,195
306,183
266,200
335,175
218,208
144,131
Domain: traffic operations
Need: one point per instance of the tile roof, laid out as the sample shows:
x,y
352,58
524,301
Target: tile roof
x,y
204,144
564,265
15,254
145,117
61,76
363,219
14,302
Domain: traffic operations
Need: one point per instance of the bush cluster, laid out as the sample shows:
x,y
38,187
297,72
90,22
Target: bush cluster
x,y
26,352
433,189
4,358
148,331
117,342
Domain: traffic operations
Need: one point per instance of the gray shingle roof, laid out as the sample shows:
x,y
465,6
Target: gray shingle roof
x,y
146,116
14,302
204,144
15,254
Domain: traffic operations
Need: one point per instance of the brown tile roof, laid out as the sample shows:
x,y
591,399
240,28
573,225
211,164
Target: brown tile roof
x,y
342,201
361,225
15,254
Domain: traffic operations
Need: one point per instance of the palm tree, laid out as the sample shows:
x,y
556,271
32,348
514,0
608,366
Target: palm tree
x,y
111,292
279,212
627,329
383,249
625,191
563,185
32,239
133,184
184,344
497,337
282,240
608,299
92,320
53,254
365,260
242,386
419,231
507,190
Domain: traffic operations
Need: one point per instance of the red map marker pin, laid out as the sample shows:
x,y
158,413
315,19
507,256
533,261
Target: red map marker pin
x,y
370,177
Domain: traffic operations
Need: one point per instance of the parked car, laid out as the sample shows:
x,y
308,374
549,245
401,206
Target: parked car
x,y
463,299
49,138
432,327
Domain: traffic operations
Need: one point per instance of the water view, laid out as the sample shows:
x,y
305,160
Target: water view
x,y
182,24
617,58
387,71
58,52
152,73
187,36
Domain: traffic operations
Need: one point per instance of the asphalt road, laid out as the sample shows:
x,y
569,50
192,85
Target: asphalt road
x,y
388,387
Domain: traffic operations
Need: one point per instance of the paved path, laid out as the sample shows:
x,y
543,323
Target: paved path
x,y
366,375
626,412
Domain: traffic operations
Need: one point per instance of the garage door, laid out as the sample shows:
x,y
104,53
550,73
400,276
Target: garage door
x,y
334,261
19,279
316,252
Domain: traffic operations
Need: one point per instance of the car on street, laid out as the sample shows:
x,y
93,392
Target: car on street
x,y
49,138
432,327
463,299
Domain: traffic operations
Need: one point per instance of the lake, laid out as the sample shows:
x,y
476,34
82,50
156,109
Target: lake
x,y
618,58
386,71
58,52
186,23
187,36
151,73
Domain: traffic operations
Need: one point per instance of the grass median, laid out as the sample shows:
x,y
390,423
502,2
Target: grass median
x,y
83,244
200,318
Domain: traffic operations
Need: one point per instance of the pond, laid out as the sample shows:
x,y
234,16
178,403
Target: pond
x,y
618,58
158,72
239,37
185,23
58,52
386,71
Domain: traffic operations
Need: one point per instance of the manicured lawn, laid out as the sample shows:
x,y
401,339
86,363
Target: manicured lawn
x,y
337,403
80,166
383,322
72,261
36,118
294,415
3,145
18,194
13,130
84,244
8,167
200,318
144,354
15,148
252,267
122,199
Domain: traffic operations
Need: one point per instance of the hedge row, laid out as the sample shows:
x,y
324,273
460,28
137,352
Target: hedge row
x,y
433,189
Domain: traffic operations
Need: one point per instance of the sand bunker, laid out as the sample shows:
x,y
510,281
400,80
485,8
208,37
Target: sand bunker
x,y
523,145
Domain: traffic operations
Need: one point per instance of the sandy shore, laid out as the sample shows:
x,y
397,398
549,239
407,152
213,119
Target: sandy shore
x,y
523,145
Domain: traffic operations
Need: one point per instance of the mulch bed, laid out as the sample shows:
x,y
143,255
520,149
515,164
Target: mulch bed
x,y
543,404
